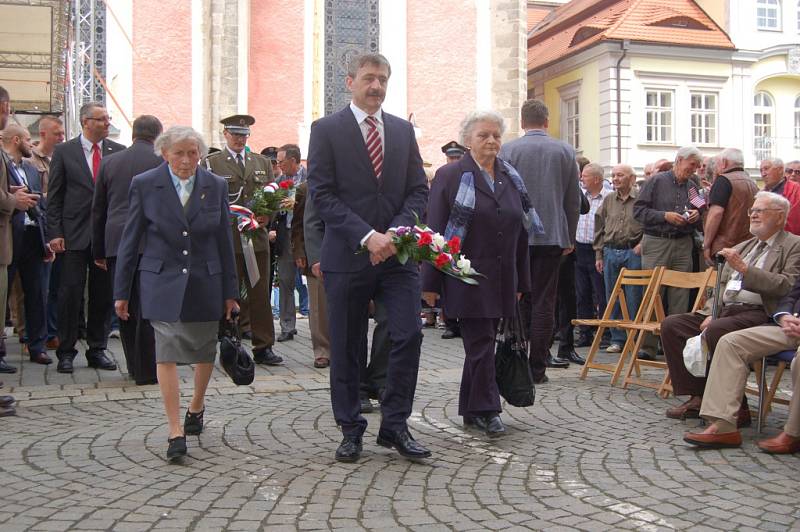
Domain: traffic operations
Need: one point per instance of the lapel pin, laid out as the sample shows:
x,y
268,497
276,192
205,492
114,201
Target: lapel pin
x,y
203,195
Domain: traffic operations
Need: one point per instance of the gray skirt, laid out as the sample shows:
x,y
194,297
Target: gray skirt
x,y
185,342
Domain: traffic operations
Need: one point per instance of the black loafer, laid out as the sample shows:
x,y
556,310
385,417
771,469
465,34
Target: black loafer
x,y
5,367
494,426
403,442
267,357
6,401
349,450
449,334
285,337
99,360
193,423
177,449
366,406
573,357
556,362
65,364
644,355
8,411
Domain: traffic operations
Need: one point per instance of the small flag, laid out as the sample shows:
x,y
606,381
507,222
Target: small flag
x,y
697,200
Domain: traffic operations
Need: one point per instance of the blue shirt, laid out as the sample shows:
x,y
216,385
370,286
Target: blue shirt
x,y
177,182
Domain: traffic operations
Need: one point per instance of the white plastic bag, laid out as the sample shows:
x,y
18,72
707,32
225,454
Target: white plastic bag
x,y
695,355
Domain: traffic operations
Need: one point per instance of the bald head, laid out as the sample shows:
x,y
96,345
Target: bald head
x,y
17,141
623,177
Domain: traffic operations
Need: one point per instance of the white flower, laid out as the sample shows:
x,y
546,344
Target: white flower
x,y
438,241
464,264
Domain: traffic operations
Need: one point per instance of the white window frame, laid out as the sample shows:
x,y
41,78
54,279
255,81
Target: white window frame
x,y
797,122
762,20
798,17
701,117
570,120
763,125
659,113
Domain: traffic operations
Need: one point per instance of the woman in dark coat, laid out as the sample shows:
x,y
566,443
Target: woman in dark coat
x,y
178,222
482,200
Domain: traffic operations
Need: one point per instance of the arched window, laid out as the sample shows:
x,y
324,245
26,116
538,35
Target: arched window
x,y
797,122
768,15
763,109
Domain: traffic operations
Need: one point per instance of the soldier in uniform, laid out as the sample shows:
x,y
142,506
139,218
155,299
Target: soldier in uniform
x,y
453,151
244,171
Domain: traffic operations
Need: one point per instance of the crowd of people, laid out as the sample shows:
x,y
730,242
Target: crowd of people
x,y
91,231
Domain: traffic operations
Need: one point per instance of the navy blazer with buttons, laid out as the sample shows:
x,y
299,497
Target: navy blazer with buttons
x,y
350,200
18,218
187,269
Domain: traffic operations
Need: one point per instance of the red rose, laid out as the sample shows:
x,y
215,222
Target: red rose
x,y
454,245
424,240
441,260
286,184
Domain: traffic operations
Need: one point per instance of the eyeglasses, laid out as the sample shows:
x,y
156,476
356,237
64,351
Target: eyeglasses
x,y
751,212
793,171
102,119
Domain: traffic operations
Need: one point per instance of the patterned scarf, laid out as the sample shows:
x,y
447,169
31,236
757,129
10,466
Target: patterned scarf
x,y
464,206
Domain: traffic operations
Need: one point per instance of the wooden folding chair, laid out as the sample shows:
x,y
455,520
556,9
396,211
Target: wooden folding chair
x,y
653,317
647,279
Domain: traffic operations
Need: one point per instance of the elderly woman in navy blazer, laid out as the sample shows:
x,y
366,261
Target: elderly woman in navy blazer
x,y
482,200
178,223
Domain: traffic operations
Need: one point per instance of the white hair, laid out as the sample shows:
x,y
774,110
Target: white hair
x,y
480,116
734,156
177,134
773,161
775,200
689,152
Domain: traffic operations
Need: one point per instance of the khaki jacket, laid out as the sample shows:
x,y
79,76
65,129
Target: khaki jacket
x,y
775,279
241,184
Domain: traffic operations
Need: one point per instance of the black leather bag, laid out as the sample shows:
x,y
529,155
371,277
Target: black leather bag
x,y
233,357
512,372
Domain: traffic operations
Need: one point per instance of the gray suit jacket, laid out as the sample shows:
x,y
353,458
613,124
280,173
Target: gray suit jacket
x,y
110,206
775,279
70,192
550,173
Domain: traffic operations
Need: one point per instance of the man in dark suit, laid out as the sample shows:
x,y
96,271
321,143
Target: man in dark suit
x,y
73,172
365,177
109,214
30,248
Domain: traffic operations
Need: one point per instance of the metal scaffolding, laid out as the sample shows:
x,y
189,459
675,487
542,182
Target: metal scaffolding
x,y
87,57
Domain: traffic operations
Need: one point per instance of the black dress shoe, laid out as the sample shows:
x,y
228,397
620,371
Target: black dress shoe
x,y
402,440
541,380
556,362
267,357
177,449
573,357
6,401
285,337
5,367
65,364
583,341
99,360
644,355
449,334
366,406
146,382
494,426
193,423
349,450
8,411
41,358
469,422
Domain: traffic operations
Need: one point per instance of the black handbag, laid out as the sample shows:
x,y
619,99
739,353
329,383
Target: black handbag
x,y
512,372
233,357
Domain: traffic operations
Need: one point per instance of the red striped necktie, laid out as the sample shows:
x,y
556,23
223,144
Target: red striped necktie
x,y
374,145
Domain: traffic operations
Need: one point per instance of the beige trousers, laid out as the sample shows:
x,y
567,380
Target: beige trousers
x,y
730,367
318,318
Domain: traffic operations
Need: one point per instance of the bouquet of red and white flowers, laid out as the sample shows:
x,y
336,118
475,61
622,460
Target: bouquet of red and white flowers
x,y
269,199
421,243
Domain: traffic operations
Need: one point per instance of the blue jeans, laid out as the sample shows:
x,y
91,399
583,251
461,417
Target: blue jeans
x,y
613,261
303,291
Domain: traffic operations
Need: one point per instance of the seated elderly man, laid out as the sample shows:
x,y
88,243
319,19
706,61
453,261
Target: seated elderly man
x,y
728,376
757,274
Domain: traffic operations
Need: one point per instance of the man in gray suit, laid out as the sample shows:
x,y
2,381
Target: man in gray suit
x,y
547,166
109,214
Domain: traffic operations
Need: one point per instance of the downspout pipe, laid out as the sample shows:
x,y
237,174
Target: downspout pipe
x,y
624,45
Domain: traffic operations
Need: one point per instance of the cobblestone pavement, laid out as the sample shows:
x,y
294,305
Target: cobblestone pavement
x,y
86,452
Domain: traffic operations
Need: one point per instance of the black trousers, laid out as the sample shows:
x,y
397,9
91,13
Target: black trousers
x,y
29,263
479,395
74,267
397,287
567,308
373,370
136,334
540,304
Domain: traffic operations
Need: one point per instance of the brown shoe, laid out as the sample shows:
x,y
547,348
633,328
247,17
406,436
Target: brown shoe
x,y
52,344
711,439
780,444
41,358
321,362
688,410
